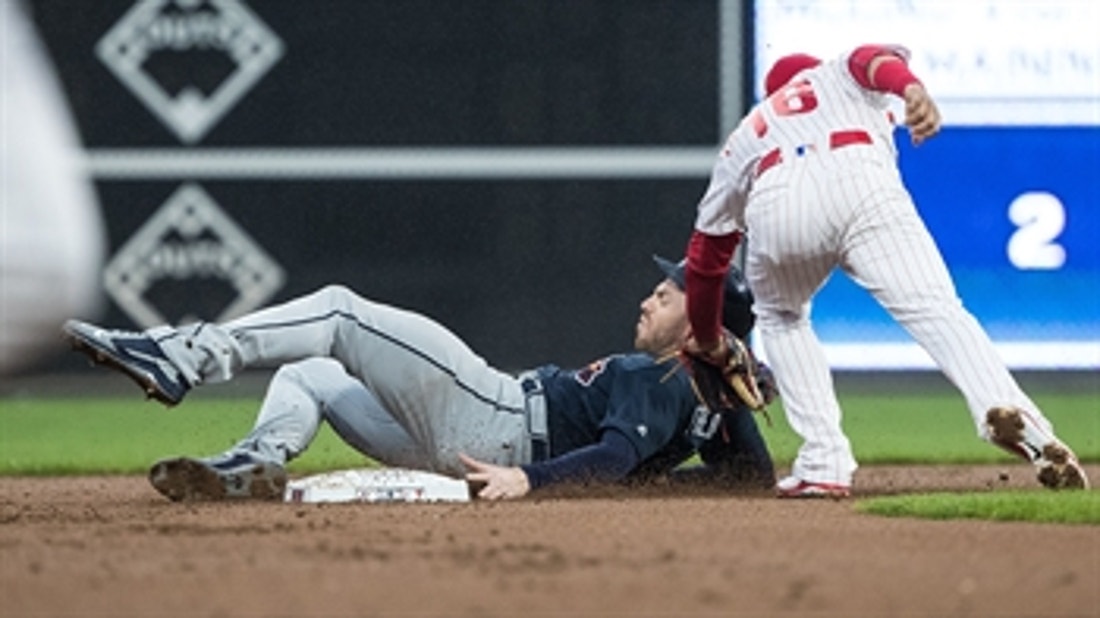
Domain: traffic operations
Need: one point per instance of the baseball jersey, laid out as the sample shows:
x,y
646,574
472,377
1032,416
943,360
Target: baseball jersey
x,y
797,119
651,403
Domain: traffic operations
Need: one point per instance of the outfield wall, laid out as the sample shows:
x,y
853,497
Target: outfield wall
x,y
508,166
505,167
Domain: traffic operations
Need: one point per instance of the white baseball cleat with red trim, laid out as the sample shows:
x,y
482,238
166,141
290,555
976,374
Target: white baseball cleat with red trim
x,y
794,487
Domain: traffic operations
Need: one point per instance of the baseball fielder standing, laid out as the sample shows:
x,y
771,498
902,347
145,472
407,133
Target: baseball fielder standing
x,y
810,174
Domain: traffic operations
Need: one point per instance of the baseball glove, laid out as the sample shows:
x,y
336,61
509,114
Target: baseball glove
x,y
733,381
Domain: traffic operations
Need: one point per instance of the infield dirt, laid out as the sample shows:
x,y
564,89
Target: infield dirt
x,y
111,546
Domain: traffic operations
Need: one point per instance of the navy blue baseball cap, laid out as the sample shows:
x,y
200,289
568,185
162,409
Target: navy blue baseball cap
x,y
737,314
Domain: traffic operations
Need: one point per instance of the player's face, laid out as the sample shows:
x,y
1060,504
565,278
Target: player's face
x,y
663,324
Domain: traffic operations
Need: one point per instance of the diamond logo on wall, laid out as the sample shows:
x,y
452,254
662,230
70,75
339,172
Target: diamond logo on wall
x,y
190,258
189,61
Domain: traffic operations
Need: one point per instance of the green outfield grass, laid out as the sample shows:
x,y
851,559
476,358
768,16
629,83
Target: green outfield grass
x,y
1080,507
936,428
41,435
903,420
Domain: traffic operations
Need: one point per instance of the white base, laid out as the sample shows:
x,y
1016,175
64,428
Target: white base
x,y
377,485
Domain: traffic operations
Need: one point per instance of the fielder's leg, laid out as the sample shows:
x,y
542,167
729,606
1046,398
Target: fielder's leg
x,y
785,268
806,391
901,266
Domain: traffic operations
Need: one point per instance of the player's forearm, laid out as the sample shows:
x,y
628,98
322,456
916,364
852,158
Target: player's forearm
x,y
881,69
708,259
609,460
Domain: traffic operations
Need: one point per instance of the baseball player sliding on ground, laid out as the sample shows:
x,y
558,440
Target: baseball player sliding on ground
x,y
406,391
810,175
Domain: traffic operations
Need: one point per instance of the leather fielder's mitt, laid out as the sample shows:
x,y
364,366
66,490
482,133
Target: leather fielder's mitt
x,y
733,381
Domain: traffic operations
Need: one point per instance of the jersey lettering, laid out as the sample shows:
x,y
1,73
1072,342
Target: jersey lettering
x,y
704,423
796,98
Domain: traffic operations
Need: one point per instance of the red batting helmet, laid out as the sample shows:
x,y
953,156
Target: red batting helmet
x,y
785,68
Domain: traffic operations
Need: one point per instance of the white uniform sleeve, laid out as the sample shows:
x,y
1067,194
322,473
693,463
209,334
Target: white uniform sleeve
x,y
722,209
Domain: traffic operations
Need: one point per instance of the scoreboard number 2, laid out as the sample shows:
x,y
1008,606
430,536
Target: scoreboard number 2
x,y
1040,218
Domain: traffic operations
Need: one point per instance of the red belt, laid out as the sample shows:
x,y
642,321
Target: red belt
x,y
837,139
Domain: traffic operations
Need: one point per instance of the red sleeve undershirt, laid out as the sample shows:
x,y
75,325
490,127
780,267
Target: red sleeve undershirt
x,y
890,76
708,259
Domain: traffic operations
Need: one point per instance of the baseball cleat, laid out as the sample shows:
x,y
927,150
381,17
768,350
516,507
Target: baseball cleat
x,y
794,487
1057,466
237,476
134,354
1062,470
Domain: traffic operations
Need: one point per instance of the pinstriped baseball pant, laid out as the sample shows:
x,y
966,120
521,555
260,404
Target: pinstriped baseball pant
x,y
829,212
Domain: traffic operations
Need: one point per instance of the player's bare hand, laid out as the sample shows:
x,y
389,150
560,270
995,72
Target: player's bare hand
x,y
921,114
500,482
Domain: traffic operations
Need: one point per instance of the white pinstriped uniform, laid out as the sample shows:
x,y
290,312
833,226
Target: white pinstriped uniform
x,y
821,207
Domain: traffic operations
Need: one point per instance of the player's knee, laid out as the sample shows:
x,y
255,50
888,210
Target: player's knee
x,y
335,291
312,372
311,366
780,319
